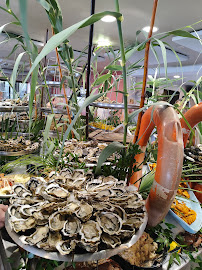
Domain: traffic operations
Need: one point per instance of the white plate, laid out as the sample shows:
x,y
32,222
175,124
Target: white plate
x,y
6,196
194,204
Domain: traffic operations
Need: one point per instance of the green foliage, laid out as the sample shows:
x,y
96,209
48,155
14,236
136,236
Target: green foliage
x,y
120,166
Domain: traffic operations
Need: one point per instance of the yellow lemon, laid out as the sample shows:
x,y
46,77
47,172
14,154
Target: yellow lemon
x,y
173,246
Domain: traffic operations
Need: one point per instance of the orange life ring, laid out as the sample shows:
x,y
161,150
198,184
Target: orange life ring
x,y
169,160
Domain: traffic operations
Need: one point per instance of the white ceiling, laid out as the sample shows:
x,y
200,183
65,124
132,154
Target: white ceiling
x,y
170,15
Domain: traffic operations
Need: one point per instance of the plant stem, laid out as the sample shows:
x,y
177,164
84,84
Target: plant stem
x,y
49,97
145,70
72,77
123,64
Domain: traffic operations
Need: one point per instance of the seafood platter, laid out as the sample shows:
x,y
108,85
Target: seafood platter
x,y
106,103
13,105
75,216
18,146
186,209
6,183
84,151
194,153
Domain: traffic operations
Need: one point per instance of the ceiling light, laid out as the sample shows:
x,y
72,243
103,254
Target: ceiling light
x,y
103,43
108,19
176,76
147,29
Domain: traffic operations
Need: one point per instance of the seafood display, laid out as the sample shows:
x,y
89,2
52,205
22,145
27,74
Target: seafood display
x,y
182,190
194,153
74,212
5,116
13,102
169,160
17,145
183,211
83,151
105,99
6,182
101,125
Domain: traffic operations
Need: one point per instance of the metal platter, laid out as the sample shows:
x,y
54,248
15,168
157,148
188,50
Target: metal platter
x,y
19,153
14,134
56,111
107,253
14,108
113,106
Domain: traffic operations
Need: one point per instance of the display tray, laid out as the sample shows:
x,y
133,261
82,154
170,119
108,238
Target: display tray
x,y
75,257
14,108
194,204
56,111
113,105
14,134
19,153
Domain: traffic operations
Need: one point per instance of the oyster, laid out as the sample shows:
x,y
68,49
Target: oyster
x,y
65,247
110,240
90,231
37,236
110,223
84,212
14,210
19,225
70,208
50,242
56,191
19,189
33,183
26,210
72,226
89,246
56,221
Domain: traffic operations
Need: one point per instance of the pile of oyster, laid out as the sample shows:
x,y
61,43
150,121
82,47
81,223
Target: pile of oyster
x,y
14,102
194,153
18,144
83,151
74,212
5,116
105,99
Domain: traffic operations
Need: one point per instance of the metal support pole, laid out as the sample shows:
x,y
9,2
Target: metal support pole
x,y
88,68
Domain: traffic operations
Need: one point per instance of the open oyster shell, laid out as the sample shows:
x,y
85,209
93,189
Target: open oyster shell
x,y
84,212
65,247
111,241
19,225
90,231
110,223
36,237
56,221
71,226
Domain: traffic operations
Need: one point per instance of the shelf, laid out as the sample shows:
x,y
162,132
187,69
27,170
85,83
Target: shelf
x,y
14,108
113,106
56,111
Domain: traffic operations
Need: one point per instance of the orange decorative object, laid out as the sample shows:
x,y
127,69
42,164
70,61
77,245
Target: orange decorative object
x,y
193,116
184,212
169,160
